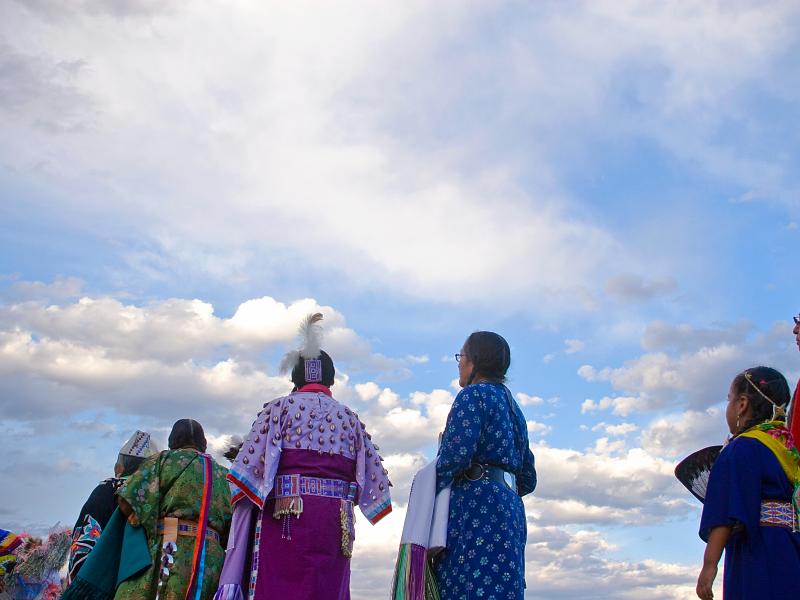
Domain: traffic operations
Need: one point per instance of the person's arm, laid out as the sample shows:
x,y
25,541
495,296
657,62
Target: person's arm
x,y
526,479
460,437
126,509
717,540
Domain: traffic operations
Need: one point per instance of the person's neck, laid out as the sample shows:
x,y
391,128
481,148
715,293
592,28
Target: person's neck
x,y
316,387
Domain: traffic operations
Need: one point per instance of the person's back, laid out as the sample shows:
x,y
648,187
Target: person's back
x,y
304,465
181,496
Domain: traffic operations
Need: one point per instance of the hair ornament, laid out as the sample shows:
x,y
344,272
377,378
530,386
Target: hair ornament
x,y
777,410
310,333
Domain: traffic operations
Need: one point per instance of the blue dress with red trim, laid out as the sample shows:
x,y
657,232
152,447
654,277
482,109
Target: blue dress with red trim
x,y
760,561
486,530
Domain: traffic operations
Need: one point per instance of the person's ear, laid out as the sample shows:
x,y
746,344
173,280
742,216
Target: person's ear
x,y
117,470
743,405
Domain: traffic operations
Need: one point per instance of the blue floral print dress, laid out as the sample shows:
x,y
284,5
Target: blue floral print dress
x,y
487,530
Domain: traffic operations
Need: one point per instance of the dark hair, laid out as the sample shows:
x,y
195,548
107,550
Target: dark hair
x,y
489,354
129,464
187,433
328,372
770,383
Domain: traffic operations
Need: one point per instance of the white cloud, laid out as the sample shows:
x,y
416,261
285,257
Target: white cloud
x,y
609,480
367,391
555,555
697,372
537,428
619,405
99,351
680,434
528,400
325,149
618,430
573,346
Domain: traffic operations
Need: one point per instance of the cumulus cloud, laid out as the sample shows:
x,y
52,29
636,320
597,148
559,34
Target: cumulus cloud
x,y
608,480
618,430
177,329
528,400
535,428
170,355
678,435
695,369
554,556
619,405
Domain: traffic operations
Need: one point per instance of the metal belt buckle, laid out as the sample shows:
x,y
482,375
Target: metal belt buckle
x,y
510,479
479,477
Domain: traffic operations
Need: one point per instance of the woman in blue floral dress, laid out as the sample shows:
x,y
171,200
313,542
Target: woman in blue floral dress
x,y
484,456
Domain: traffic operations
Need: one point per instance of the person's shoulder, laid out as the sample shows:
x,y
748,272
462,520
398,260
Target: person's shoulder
x,y
275,403
741,447
472,394
104,488
482,389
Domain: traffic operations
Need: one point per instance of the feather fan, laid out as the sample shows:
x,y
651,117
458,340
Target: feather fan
x,y
694,470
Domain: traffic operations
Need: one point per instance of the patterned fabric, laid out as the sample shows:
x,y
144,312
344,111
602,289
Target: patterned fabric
x,y
778,514
309,421
83,542
92,520
171,484
294,485
760,562
487,530
9,542
302,558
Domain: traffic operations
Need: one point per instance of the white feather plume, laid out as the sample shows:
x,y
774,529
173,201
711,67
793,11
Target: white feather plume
x,y
311,336
310,342
289,361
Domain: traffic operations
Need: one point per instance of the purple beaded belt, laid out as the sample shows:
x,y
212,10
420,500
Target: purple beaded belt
x,y
775,513
300,485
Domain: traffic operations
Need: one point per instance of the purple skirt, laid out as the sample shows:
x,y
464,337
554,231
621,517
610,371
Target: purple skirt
x,y
310,565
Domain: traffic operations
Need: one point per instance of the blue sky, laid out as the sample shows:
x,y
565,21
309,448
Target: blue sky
x,y
612,186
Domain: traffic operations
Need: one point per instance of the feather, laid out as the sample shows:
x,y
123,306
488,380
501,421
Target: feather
x,y
289,361
694,470
310,332
311,336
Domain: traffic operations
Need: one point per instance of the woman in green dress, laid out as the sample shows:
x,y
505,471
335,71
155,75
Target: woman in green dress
x,y
182,501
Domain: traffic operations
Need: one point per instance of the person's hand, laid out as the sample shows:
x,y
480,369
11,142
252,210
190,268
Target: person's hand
x,y
705,582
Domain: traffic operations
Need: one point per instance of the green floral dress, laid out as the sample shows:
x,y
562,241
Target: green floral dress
x,y
171,484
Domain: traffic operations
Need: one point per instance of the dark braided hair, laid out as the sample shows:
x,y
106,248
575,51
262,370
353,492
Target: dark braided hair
x,y
489,354
770,383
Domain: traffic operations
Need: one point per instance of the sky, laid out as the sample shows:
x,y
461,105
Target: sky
x,y
612,186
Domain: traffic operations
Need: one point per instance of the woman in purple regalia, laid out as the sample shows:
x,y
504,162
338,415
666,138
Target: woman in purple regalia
x,y
306,462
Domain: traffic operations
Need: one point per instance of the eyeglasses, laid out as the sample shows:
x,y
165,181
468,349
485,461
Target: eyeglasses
x,y
458,356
